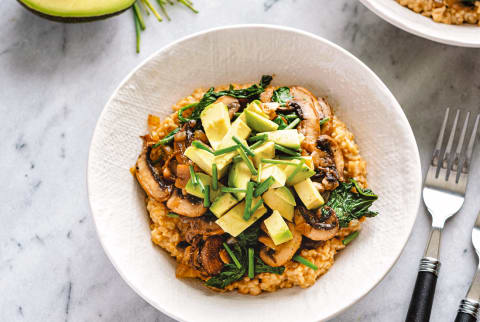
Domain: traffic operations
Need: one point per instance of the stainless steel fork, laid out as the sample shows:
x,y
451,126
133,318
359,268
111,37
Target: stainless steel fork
x,y
443,194
470,306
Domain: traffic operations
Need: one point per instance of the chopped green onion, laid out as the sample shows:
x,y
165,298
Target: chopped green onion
x,y
206,197
214,177
193,175
229,189
305,262
347,240
256,144
297,169
200,183
232,255
323,121
293,124
264,186
243,146
251,270
225,150
172,215
257,205
248,201
155,13
162,7
237,158
281,123
298,157
188,4
258,137
138,13
249,163
278,162
291,116
180,112
200,145
286,150
167,139
137,31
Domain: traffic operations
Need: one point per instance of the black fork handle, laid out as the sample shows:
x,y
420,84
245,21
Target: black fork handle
x,y
424,291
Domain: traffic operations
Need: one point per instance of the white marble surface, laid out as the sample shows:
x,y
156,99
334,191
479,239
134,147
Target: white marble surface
x,y
54,81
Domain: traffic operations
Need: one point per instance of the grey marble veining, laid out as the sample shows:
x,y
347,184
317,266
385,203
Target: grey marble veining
x,y
54,81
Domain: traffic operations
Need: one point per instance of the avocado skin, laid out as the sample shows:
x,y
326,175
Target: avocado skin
x,y
70,19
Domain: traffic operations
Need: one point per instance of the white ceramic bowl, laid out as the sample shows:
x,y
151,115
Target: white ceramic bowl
x,y
408,20
243,54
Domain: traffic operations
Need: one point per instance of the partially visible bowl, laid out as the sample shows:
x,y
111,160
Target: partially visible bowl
x,y
410,21
242,54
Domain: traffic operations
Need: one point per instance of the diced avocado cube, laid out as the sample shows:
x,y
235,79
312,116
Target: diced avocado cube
x,y
239,129
277,228
264,151
233,223
205,160
255,107
223,203
272,199
274,170
259,123
309,195
285,194
304,173
216,122
238,177
286,138
196,190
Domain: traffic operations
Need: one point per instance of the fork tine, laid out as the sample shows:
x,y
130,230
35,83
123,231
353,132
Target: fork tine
x,y
471,145
456,160
448,149
438,146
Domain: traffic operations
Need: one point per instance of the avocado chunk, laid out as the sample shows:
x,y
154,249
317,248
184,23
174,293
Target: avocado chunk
x,y
309,195
223,203
255,108
276,171
287,138
233,223
285,194
76,10
205,160
303,173
238,177
264,151
216,122
259,123
275,202
196,190
277,228
239,129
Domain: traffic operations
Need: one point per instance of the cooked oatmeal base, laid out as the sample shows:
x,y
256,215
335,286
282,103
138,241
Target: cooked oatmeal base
x,y
164,231
453,15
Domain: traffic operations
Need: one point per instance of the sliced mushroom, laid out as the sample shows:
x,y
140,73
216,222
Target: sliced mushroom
x,y
200,226
149,178
283,252
232,103
267,94
319,224
327,114
210,255
328,145
189,206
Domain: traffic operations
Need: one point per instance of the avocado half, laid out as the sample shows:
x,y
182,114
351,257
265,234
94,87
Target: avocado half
x,y
76,10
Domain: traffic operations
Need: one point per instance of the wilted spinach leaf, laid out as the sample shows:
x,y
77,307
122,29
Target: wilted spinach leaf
x,y
350,205
281,95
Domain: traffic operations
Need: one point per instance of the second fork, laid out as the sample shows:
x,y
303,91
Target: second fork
x,y
443,194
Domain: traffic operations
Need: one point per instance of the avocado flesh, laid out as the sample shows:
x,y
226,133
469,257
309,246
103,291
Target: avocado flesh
x,y
277,228
76,10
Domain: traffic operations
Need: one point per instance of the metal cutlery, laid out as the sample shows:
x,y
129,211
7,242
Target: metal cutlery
x,y
443,194
469,308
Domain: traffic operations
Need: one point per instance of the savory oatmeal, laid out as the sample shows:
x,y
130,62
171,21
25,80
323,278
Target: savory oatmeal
x,y
452,12
253,187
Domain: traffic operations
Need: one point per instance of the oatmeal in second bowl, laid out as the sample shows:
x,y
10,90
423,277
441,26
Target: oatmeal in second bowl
x,y
268,219
451,22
